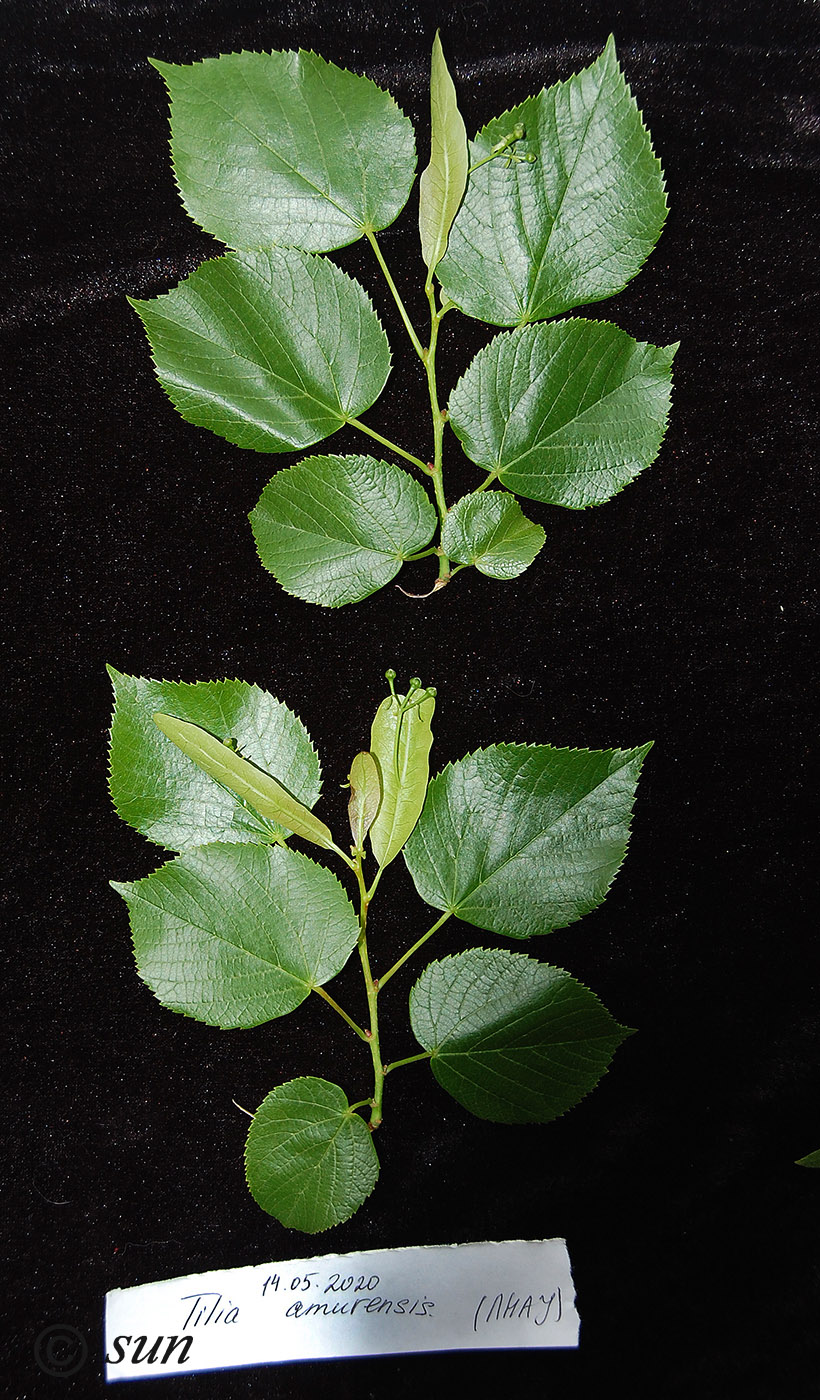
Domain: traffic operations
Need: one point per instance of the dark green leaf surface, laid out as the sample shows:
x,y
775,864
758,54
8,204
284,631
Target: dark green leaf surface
x,y
161,793
574,226
262,792
236,935
442,184
512,1039
491,531
811,1160
567,413
523,839
286,148
332,529
271,350
400,742
309,1159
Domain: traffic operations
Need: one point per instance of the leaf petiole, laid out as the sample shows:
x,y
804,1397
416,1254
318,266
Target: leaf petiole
x,y
392,446
320,992
414,949
417,345
411,1060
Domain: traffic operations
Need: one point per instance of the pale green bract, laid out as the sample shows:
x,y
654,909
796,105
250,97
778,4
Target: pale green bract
x,y
253,786
442,184
332,529
400,741
513,1040
309,1159
572,226
160,792
237,935
286,148
523,839
491,531
272,350
566,413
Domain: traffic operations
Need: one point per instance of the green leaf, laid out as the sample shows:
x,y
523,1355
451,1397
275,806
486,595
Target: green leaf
x,y
513,1040
400,740
236,935
812,1160
271,350
286,148
251,784
536,237
332,530
442,184
309,1159
491,531
365,796
523,839
159,792
567,413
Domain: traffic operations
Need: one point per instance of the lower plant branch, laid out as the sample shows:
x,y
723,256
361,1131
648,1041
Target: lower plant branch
x,y
414,949
372,1035
438,427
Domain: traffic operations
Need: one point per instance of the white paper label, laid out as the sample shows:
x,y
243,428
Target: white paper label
x,y
517,1293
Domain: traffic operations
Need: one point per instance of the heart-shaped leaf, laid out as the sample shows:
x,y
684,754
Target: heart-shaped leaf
x,y
309,1158
334,529
400,741
264,794
567,413
442,184
271,350
523,839
566,214
236,935
513,1040
157,790
286,148
490,530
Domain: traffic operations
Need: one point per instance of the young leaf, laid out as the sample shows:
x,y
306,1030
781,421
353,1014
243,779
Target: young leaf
x,y
286,148
334,529
513,1040
251,784
523,839
564,216
236,935
159,792
271,350
442,184
811,1160
567,413
365,796
309,1159
400,740
491,531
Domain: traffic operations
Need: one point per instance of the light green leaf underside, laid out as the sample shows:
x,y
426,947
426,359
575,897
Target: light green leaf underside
x,y
523,839
365,796
400,743
309,1160
513,1040
162,794
265,795
236,935
286,148
566,413
442,184
572,227
272,350
811,1160
491,531
332,530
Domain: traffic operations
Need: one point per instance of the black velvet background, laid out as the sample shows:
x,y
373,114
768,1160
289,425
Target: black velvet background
x,y
679,612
